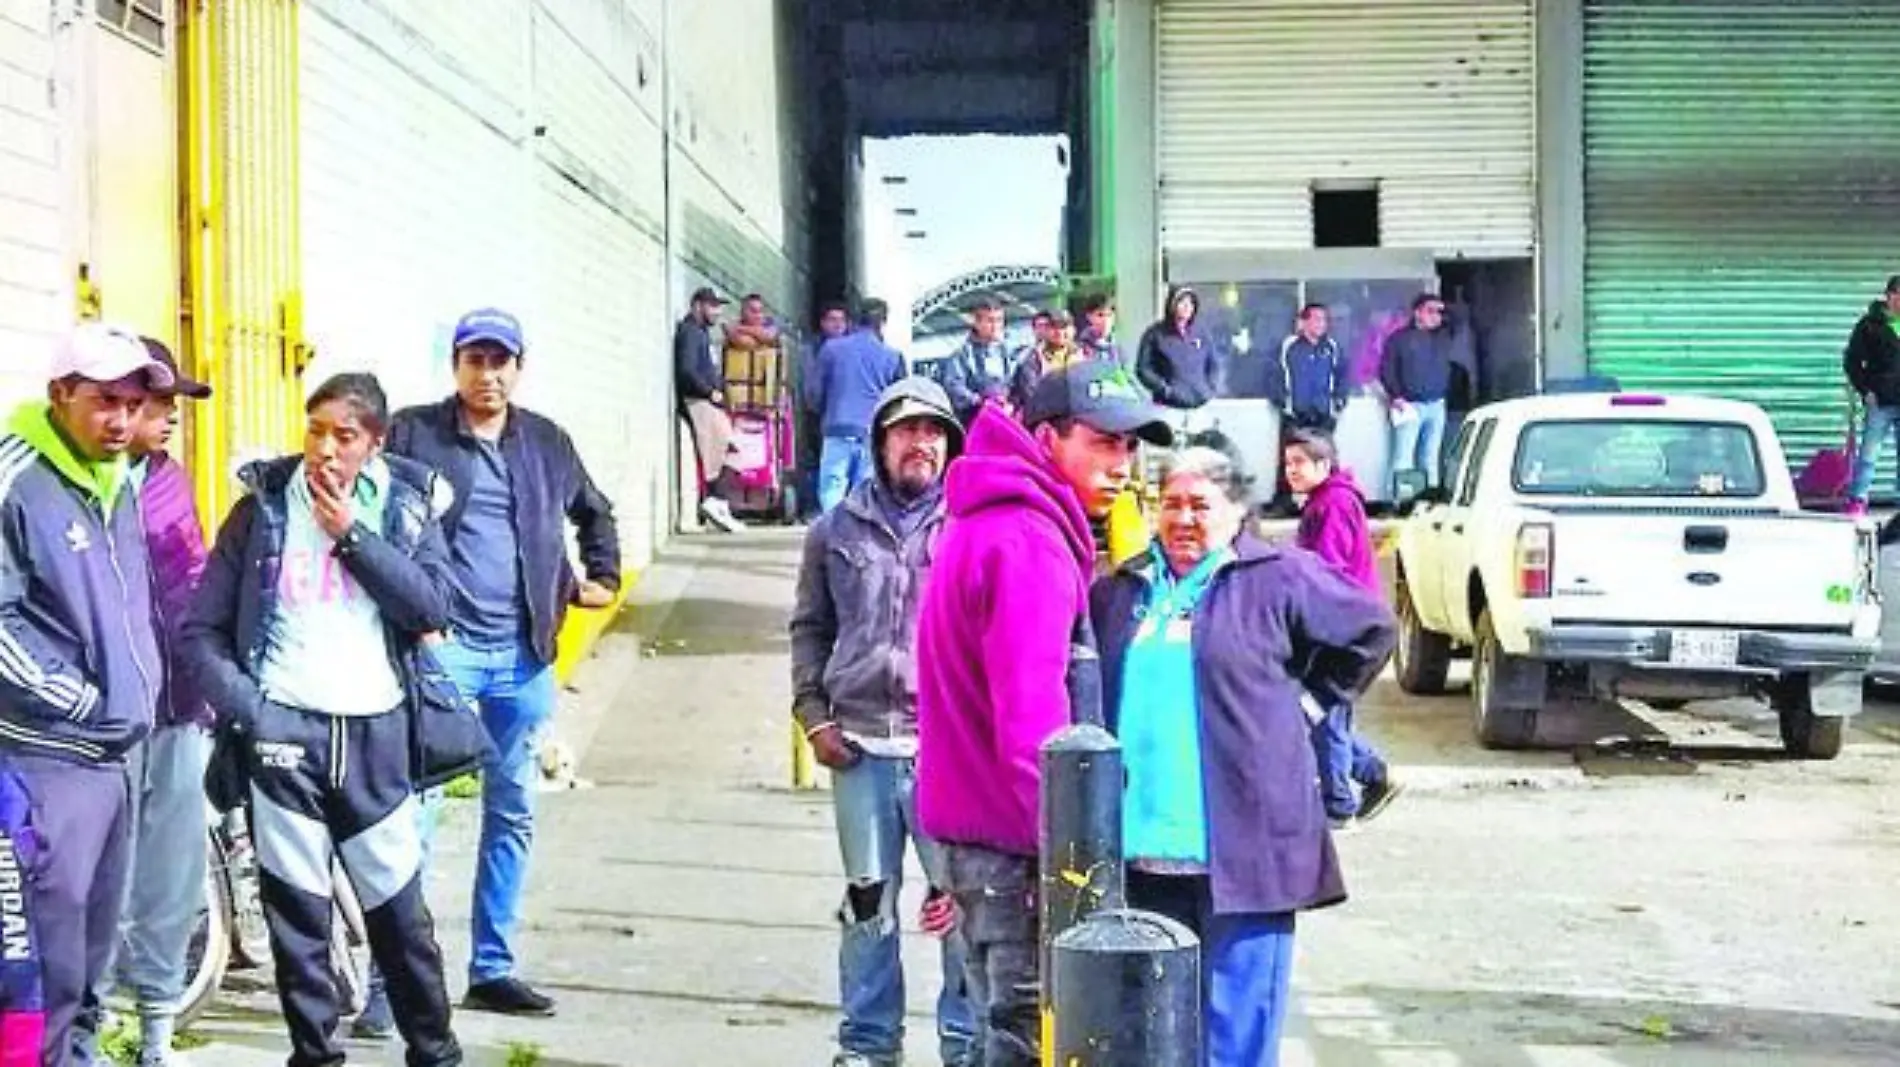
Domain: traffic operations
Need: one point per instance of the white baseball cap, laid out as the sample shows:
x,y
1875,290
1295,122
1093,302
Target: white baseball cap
x,y
99,352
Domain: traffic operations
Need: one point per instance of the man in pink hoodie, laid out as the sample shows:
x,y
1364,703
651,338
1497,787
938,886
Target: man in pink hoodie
x,y
1333,526
1006,603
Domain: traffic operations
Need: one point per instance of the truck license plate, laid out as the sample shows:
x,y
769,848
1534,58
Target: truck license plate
x,y
1703,648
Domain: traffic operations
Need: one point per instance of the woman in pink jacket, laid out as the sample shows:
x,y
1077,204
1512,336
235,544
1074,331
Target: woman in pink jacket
x,y
1333,526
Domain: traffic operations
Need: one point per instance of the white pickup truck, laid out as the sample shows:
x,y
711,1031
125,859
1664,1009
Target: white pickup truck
x,y
1591,546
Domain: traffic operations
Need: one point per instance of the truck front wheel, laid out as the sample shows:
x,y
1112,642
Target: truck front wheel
x,y
1805,734
1424,658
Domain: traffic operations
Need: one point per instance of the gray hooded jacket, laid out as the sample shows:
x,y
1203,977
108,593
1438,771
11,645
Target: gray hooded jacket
x,y
854,629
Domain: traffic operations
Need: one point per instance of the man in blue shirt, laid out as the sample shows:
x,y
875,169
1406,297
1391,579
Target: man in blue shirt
x,y
518,483
852,372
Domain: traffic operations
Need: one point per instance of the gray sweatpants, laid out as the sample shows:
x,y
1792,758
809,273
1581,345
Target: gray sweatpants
x,y
81,816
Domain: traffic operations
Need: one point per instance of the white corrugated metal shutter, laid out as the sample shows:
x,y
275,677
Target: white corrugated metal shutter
x,y
1260,99
33,283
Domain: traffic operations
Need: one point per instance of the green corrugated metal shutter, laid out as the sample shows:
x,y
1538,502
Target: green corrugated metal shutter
x,y
1742,196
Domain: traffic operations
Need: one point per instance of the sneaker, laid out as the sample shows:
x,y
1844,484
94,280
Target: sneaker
x,y
719,514
860,1059
507,996
1343,824
375,1023
1377,797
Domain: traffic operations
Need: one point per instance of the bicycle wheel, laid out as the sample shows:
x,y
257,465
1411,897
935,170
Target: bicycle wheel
x,y
349,947
209,953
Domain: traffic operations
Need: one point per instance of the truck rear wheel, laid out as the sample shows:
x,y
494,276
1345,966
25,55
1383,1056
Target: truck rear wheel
x,y
1805,734
1497,725
1423,657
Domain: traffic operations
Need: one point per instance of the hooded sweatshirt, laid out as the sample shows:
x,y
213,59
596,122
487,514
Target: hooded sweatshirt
x,y
1009,583
860,584
175,541
79,662
1872,357
1333,527
1178,365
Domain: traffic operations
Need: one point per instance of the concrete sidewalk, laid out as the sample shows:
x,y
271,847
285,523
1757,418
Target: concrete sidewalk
x,y
682,904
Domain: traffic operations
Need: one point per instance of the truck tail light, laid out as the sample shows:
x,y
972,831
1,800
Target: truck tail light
x,y
1867,569
1536,557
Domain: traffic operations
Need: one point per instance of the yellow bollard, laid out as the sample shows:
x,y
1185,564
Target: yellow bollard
x,y
804,766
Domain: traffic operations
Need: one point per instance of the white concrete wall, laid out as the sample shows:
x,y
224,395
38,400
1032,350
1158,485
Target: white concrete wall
x,y
35,291
467,152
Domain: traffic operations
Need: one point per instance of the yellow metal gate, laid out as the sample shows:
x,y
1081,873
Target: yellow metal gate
x,y
242,321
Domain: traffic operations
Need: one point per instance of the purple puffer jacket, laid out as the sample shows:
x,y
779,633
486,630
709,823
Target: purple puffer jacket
x,y
1333,527
175,541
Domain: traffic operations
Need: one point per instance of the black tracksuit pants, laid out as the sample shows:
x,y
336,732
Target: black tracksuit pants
x,y
326,786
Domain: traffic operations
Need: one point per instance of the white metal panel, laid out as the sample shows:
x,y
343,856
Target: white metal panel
x,y
415,189
1261,99
33,284
731,140
599,263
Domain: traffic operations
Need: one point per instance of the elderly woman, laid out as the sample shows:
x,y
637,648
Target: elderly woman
x,y
1208,642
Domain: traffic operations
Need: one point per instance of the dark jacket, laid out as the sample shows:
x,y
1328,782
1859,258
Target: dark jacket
x,y
695,372
853,371
550,486
1417,365
1274,624
1179,366
175,541
1872,358
1311,383
967,377
404,567
79,662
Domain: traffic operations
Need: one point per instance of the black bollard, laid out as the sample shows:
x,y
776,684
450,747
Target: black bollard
x,y
1081,831
1127,988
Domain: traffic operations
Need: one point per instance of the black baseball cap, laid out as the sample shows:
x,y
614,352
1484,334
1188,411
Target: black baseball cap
x,y
1101,395
181,385
706,294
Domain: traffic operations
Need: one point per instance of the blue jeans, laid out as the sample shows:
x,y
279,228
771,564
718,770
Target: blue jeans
x,y
1417,442
1246,967
516,693
875,803
1881,423
842,464
1344,758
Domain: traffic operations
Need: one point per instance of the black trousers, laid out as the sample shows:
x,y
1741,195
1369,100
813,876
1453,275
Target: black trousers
x,y
325,786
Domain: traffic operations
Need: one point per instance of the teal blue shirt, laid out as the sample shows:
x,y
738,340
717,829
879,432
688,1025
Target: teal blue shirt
x,y
1165,813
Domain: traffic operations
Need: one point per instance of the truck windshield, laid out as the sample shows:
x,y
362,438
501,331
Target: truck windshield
x,y
1637,457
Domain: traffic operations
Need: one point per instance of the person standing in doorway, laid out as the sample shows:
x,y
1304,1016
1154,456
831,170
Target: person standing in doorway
x,y
1176,361
979,369
1872,364
853,371
854,692
518,484
702,393
834,318
79,681
1311,385
1333,527
1416,374
327,579
1004,610
167,771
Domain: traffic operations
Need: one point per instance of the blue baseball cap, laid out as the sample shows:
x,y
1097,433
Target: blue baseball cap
x,y
1102,395
492,325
